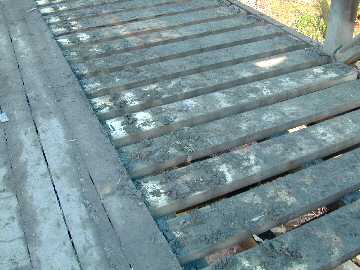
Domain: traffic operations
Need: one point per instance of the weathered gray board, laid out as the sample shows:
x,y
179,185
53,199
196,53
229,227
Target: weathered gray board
x,y
151,74
332,240
187,144
203,180
95,23
236,219
84,51
13,248
145,247
152,25
204,108
89,228
42,219
168,91
147,10
68,6
136,58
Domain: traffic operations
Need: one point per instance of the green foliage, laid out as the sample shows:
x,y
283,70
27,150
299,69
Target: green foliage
x,y
312,26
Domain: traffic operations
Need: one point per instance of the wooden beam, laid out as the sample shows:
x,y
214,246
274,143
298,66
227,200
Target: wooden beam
x,y
341,24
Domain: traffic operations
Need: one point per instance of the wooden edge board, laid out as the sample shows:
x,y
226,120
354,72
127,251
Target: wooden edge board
x,y
89,228
144,248
45,228
13,247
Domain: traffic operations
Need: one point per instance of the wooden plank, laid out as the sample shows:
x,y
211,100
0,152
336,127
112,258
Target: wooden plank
x,y
334,239
91,232
66,6
187,144
46,232
13,249
145,247
236,219
76,53
95,23
141,57
203,180
154,25
189,112
172,69
168,91
147,10
49,2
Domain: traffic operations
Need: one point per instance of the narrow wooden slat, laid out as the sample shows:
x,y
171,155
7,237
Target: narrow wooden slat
x,y
85,52
201,181
172,69
189,112
66,6
186,144
331,240
96,23
164,92
154,25
168,91
180,49
229,221
108,9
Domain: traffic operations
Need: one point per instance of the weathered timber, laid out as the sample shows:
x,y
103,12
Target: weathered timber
x,y
350,53
334,239
189,112
147,10
168,91
91,232
69,6
45,229
95,23
146,56
83,52
233,220
341,23
188,144
13,249
145,247
151,74
152,25
203,180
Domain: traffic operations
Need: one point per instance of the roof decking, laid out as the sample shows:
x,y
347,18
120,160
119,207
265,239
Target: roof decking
x,y
198,98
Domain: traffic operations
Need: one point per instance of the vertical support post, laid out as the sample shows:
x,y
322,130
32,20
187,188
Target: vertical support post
x,y
341,24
